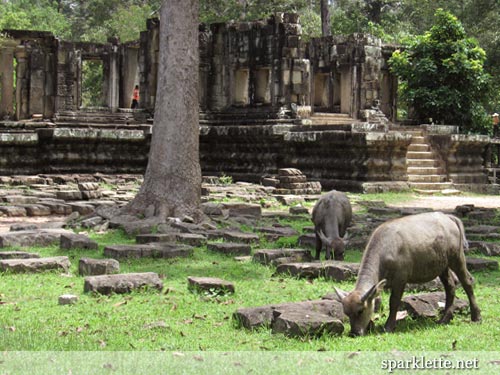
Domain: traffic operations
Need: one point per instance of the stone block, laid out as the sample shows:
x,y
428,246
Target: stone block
x,y
122,283
478,264
267,181
263,316
267,256
13,211
289,172
241,237
82,208
17,255
33,265
302,270
28,238
243,209
151,250
68,299
92,222
298,210
430,286
57,208
306,324
19,199
157,237
94,267
486,248
71,241
428,305
36,210
288,199
229,248
22,226
69,195
274,233
307,240
94,194
88,186
341,271
210,284
191,239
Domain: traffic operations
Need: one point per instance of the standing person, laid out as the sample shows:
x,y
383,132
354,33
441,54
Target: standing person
x,y
135,98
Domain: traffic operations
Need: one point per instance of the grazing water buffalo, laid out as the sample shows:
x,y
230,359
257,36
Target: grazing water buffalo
x,y
412,249
331,216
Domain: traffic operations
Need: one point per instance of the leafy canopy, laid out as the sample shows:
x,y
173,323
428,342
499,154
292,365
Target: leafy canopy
x,y
442,75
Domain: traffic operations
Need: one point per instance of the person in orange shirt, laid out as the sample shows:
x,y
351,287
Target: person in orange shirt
x,y
135,98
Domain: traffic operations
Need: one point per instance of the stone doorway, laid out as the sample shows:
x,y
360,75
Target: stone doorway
x,y
92,79
8,66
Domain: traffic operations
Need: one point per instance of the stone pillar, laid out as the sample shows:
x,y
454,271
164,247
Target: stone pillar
x,y
113,95
36,82
22,89
7,79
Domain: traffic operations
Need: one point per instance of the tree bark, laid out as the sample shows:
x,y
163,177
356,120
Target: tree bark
x,y
172,182
326,29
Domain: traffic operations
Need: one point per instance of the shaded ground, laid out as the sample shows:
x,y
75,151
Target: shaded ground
x,y
449,203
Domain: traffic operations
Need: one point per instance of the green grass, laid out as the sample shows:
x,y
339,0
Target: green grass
x,y
177,319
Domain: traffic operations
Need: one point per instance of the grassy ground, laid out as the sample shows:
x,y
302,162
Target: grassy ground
x,y
177,320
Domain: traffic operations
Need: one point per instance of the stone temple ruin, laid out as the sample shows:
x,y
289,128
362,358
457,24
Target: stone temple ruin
x,y
268,100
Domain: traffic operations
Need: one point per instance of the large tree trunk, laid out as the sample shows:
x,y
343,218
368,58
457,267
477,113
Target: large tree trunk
x,y
172,182
326,30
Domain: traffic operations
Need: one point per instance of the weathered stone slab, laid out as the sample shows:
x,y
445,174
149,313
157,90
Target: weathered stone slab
x,y
307,240
478,264
428,305
81,208
486,248
19,199
383,211
88,195
68,299
94,267
22,226
57,208
302,270
274,233
88,186
298,210
210,284
157,237
13,211
255,317
91,222
40,237
243,209
229,248
430,286
77,241
341,271
69,195
191,239
234,236
152,250
17,255
122,283
32,265
267,256
306,324
482,229
36,210
285,197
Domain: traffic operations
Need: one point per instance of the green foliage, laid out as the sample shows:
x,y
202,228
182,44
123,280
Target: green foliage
x,y
92,72
443,75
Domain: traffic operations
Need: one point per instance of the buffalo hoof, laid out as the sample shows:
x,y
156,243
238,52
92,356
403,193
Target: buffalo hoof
x,y
476,315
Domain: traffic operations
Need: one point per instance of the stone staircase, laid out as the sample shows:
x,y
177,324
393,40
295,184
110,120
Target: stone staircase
x,y
425,170
324,118
101,117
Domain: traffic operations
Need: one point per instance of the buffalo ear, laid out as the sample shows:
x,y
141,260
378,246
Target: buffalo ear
x,y
374,291
340,293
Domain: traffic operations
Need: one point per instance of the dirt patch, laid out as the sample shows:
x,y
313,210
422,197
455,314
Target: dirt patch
x,y
449,203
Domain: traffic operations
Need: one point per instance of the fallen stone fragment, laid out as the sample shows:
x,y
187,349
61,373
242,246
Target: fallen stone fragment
x,y
242,209
267,256
210,284
68,299
478,264
69,195
341,271
486,248
91,222
191,239
430,286
122,283
307,240
33,265
71,241
299,210
255,317
303,270
234,236
152,250
306,324
17,255
40,237
157,237
88,186
82,208
229,248
21,226
19,199
13,211
428,305
274,233
36,210
94,267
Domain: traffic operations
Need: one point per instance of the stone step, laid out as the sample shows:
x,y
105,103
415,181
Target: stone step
x,y
28,238
122,283
18,255
418,147
469,178
267,256
424,170
152,250
436,186
418,139
334,270
427,178
230,248
419,155
425,163
33,265
479,264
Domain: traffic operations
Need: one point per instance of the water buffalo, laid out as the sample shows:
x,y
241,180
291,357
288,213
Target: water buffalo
x,y
412,249
331,216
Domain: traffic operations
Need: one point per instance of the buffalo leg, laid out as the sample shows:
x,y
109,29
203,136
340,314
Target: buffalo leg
x,y
466,280
449,287
319,245
395,299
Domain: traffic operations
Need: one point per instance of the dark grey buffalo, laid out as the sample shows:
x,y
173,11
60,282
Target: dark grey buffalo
x,y
412,249
331,216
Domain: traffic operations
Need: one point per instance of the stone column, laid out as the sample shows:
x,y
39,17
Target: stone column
x,y
22,89
7,79
113,79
